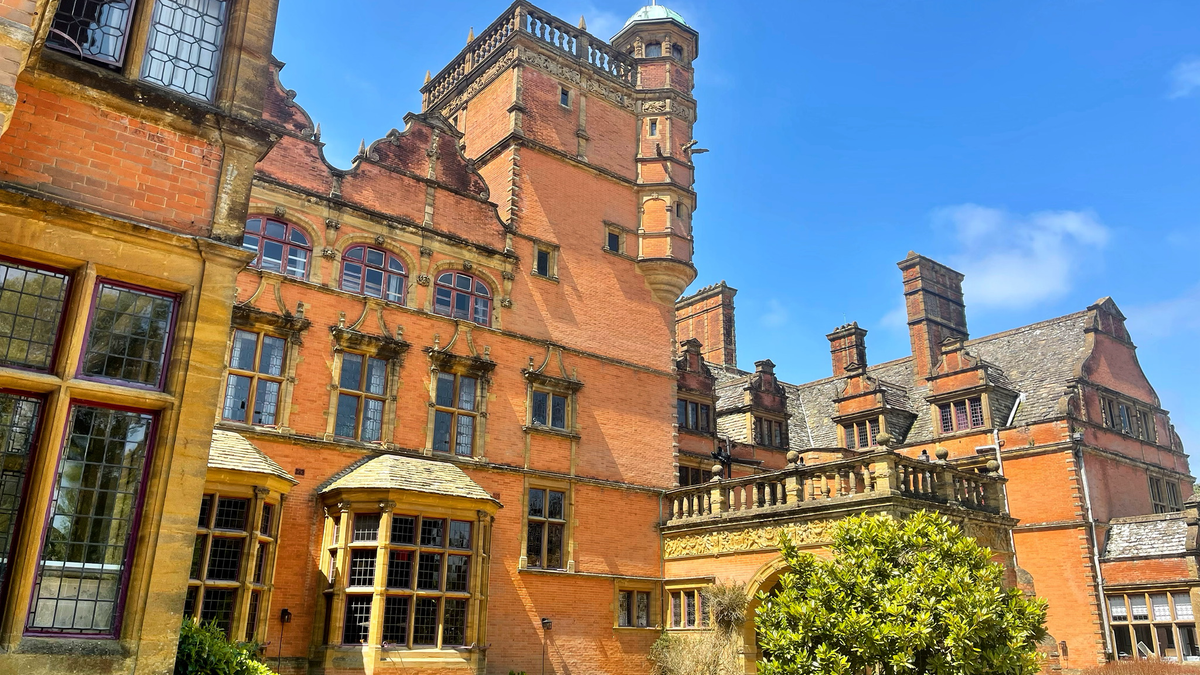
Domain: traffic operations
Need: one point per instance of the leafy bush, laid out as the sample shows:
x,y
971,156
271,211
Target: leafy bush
x,y
204,650
911,596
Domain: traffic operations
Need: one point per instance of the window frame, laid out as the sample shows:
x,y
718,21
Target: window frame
x,y
286,242
1165,495
64,311
1174,623
686,421
776,436
473,295
363,396
653,127
567,563
256,376
634,590
854,431
702,617
131,542
947,412
168,343
23,508
384,269
128,31
551,253
149,24
475,413
568,94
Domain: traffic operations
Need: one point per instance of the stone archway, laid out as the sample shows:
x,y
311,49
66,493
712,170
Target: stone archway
x,y
764,580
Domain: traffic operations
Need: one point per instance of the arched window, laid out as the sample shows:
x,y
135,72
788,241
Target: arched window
x,y
374,272
463,297
653,49
281,247
677,52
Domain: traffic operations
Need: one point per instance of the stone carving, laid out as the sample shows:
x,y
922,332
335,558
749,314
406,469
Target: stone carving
x,y
481,81
750,539
992,537
506,302
507,276
654,106
423,279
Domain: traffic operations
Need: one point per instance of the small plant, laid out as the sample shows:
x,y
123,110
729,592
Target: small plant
x,y
713,652
204,650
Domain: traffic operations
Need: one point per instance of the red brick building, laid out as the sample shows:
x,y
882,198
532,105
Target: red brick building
x,y
1062,406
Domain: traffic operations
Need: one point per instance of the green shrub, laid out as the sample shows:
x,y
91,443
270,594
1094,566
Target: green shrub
x,y
204,650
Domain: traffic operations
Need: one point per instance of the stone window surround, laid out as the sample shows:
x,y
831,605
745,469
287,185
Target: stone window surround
x,y
470,366
672,586
712,416
637,586
551,251
568,490
240,485
558,386
1174,622
1170,496
291,328
391,350
622,232
1136,409
983,393
339,513
83,278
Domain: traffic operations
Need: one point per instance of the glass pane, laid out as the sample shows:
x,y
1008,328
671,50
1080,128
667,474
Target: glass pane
x,y
614,241
1124,645
198,556
462,306
403,529
466,393
218,607
97,28
425,622
375,257
482,290
86,542
704,418
1116,608
554,546
558,412
366,527
624,609
231,514
946,417
395,265
432,532
976,406
1161,607
460,534
1187,643
183,51
376,382
271,360
241,356
266,402
537,503
429,572
445,390
362,567
352,275
352,371
1137,607
1183,606
295,236
224,559
374,283
18,418
272,256
189,601
276,230
689,616
960,415
533,548
395,288
260,562
464,438
458,572
205,507
454,628
347,416
372,421
265,524
252,616
441,431
395,621
446,278
297,262
399,572
128,336
483,310
354,253
441,301
358,618
463,282
1143,642
676,609
556,505
643,610
681,413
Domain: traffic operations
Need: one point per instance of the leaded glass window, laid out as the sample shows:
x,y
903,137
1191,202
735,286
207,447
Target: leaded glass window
x,y
18,421
361,391
371,271
256,371
31,308
454,419
183,51
93,512
94,30
546,525
128,337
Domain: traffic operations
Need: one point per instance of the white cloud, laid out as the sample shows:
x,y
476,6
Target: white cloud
x,y
1169,318
896,318
776,314
1185,78
1013,260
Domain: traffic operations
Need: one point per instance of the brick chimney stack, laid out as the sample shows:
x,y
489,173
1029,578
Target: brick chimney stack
x,y
707,315
848,347
934,299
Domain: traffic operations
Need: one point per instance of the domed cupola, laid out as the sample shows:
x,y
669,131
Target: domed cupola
x,y
655,31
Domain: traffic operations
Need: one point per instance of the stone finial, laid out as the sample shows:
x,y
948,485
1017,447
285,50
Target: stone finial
x,y
362,148
793,458
717,471
471,35
941,453
428,77
993,466
885,439
317,132
582,23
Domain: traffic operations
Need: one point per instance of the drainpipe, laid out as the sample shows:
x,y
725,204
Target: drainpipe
x,y
995,446
1087,500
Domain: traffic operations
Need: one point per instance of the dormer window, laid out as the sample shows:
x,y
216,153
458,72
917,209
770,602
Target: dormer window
x,y
861,435
653,49
961,415
769,432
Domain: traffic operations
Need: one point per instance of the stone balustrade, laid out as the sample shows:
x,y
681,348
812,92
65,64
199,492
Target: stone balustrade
x,y
799,487
525,19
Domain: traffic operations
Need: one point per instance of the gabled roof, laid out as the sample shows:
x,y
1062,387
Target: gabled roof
x,y
1162,534
399,472
1038,360
231,451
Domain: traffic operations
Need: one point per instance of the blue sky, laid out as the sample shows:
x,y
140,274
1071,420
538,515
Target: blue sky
x,y
1049,150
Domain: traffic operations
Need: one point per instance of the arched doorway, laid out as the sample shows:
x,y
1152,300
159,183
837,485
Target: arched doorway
x,y
764,580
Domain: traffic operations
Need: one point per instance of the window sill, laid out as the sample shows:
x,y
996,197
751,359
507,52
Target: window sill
x,y
697,432
618,254
637,629
549,431
72,645
544,277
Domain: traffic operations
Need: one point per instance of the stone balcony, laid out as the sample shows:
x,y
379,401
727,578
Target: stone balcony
x,y
802,502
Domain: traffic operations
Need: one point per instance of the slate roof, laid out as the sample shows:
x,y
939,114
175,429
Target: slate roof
x,y
1037,360
1161,534
231,450
399,472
